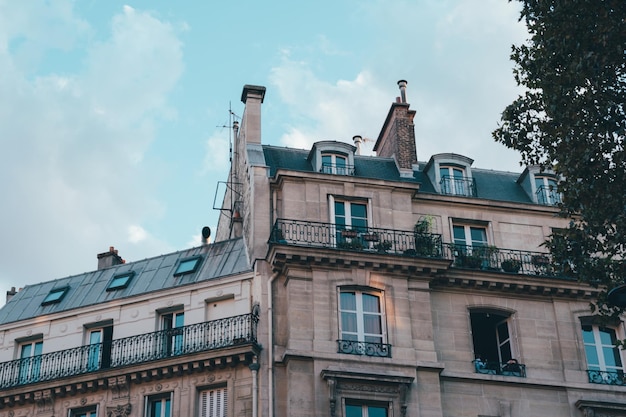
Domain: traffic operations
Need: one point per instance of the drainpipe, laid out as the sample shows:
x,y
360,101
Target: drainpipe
x,y
254,367
270,351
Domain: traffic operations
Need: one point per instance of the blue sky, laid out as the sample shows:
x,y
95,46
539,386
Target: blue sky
x,y
111,112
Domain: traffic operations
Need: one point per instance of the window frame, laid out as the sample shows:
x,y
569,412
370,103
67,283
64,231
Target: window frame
x,y
29,364
600,347
153,399
173,340
490,337
112,286
359,313
334,167
86,411
365,406
197,259
468,240
56,295
550,194
451,189
204,409
99,352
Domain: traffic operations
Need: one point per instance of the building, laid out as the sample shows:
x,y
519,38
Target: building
x,y
338,285
174,335
399,287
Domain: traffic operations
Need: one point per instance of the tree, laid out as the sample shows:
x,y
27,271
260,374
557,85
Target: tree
x,y
572,119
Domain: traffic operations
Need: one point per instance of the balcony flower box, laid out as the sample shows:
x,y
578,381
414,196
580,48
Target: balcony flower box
x,y
370,237
349,233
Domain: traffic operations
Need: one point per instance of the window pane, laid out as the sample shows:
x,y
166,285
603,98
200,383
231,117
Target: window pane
x,y
370,303
607,336
479,236
588,334
459,235
341,161
611,357
354,411
371,324
457,173
376,412
340,209
348,322
592,356
348,301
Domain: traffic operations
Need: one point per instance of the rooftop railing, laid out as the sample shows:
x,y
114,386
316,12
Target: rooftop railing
x,y
207,336
464,186
415,244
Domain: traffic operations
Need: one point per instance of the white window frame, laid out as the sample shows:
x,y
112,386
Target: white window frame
x,y
98,347
163,399
89,411
213,402
548,194
30,365
599,349
467,231
173,344
334,167
454,187
360,315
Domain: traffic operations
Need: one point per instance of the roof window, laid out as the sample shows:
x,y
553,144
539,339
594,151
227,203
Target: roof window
x,y
120,281
55,296
188,265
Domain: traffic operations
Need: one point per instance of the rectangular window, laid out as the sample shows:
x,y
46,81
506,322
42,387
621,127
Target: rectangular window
x,y
159,405
362,324
365,410
91,411
188,266
335,164
55,296
172,324
600,349
213,402
30,361
120,281
493,344
466,236
546,191
99,341
350,223
453,180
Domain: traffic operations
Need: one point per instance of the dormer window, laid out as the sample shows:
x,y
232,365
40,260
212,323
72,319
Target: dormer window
x,y
454,181
331,157
451,174
546,190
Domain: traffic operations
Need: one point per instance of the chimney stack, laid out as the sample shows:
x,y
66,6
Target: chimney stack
x,y
110,258
357,142
397,136
10,294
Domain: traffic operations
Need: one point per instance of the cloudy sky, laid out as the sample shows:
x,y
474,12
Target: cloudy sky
x,y
113,113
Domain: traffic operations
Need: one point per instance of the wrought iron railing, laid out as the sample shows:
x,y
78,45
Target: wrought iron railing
x,y
353,347
510,368
464,186
547,195
337,169
368,239
505,260
216,334
607,377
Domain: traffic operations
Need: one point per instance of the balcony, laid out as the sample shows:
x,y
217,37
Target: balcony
x,y
368,239
415,244
606,377
353,347
337,169
201,337
457,186
510,368
547,195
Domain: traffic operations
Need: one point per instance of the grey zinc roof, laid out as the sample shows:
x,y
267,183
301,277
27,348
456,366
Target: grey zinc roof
x,y
218,260
490,184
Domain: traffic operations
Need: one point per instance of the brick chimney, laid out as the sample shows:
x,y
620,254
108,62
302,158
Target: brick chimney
x,y
397,136
110,258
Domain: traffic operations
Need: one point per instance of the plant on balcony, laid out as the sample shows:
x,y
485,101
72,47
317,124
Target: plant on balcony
x,y
349,233
489,256
511,265
354,244
542,264
425,242
469,261
383,246
370,237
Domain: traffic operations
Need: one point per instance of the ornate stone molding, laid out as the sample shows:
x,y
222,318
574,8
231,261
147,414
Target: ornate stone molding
x,y
119,411
601,408
44,400
119,386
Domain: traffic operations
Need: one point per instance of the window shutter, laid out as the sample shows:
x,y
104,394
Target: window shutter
x,y
213,403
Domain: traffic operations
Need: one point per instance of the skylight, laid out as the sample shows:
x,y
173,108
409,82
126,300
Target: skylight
x,y
55,296
120,281
188,266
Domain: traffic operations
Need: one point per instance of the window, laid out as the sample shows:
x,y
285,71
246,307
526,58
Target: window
x,y
99,351
120,281
30,361
455,181
365,410
213,402
546,190
172,335
91,411
493,343
159,406
600,350
335,164
350,221
465,236
362,329
188,266
55,296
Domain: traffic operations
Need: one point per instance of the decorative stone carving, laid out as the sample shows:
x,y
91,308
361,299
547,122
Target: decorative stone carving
x,y
44,401
119,387
119,411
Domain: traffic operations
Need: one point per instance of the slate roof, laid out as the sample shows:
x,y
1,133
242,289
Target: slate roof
x,y
490,184
219,259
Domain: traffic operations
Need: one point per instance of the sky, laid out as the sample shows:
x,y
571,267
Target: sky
x,y
114,114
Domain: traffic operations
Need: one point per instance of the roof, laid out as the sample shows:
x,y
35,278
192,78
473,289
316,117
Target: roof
x,y
219,259
490,184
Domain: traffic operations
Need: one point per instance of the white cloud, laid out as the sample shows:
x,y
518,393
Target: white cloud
x,y
73,143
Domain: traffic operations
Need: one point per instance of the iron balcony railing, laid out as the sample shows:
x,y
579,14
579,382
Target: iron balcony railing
x,y
211,335
510,368
464,186
506,260
606,377
547,195
353,347
361,239
417,244
337,169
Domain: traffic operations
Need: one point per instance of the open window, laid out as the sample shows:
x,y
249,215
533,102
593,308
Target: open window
x,y
172,322
350,218
30,351
99,339
495,349
604,358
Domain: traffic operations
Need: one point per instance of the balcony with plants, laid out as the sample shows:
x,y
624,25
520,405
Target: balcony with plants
x,y
418,242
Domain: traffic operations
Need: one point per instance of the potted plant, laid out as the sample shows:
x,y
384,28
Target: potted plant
x,y
470,261
425,242
383,246
511,265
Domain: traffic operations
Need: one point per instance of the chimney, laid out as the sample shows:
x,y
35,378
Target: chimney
x,y
11,293
110,258
357,142
397,136
252,96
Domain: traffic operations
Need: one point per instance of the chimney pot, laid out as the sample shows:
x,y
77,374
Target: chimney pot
x,y
110,258
402,84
